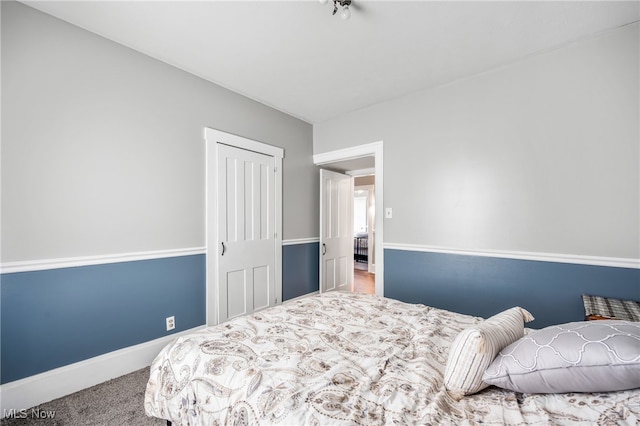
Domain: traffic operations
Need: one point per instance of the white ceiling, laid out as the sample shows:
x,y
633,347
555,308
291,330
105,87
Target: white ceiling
x,y
298,58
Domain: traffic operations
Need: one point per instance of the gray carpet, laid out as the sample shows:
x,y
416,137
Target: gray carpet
x,y
116,402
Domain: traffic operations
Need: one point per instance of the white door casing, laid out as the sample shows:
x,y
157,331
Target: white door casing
x,y
244,226
336,231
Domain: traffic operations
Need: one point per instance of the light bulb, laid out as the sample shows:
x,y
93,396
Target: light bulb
x,y
346,13
323,1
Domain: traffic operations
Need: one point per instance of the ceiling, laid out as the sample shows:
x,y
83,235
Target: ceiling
x,y
298,58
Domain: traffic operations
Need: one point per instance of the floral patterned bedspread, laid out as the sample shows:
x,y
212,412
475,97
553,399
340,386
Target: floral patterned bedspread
x,y
341,358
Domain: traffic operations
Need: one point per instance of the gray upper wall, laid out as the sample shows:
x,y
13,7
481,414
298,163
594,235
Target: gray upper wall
x,y
536,156
103,149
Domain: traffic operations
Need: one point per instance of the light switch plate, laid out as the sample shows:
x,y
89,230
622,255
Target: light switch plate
x,y
388,213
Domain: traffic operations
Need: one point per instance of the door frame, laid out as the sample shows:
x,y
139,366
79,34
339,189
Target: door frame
x,y
375,150
212,138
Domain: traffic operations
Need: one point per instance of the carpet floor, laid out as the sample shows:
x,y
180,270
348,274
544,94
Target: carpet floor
x,y
116,402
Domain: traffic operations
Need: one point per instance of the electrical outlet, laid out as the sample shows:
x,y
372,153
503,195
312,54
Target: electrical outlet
x,y
171,323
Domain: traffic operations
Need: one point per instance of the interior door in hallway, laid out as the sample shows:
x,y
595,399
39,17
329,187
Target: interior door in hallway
x,y
336,231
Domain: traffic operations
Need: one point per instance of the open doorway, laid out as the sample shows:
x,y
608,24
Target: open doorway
x,y
364,160
364,234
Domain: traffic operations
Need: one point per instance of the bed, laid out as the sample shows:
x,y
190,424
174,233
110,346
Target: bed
x,y
348,358
361,248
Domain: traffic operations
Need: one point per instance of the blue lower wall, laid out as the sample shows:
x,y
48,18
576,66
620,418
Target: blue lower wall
x,y
484,286
57,317
53,318
300,269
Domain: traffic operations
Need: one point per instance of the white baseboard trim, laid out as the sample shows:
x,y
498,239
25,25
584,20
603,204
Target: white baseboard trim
x,y
31,391
300,241
71,262
304,296
544,257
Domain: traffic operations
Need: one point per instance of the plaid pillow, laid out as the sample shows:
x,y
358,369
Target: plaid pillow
x,y
475,348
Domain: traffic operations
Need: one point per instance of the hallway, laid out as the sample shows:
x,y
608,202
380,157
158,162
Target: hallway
x,y
363,281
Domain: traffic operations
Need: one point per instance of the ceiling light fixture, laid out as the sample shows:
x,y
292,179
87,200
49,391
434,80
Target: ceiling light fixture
x,y
345,13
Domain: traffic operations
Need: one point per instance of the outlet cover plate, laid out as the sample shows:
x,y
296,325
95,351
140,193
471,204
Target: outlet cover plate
x,y
171,323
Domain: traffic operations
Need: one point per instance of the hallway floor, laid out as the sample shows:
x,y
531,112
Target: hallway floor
x,y
363,281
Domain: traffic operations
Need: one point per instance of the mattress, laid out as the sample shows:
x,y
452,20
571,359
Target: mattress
x,y
346,358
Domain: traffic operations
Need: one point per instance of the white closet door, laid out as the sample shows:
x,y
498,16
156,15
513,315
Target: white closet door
x,y
246,232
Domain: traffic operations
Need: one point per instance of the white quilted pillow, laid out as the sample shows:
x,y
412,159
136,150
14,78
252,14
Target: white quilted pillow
x,y
475,348
592,356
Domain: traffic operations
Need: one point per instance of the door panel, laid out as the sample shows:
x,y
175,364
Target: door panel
x,y
330,274
265,193
230,207
343,271
236,290
336,233
260,287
